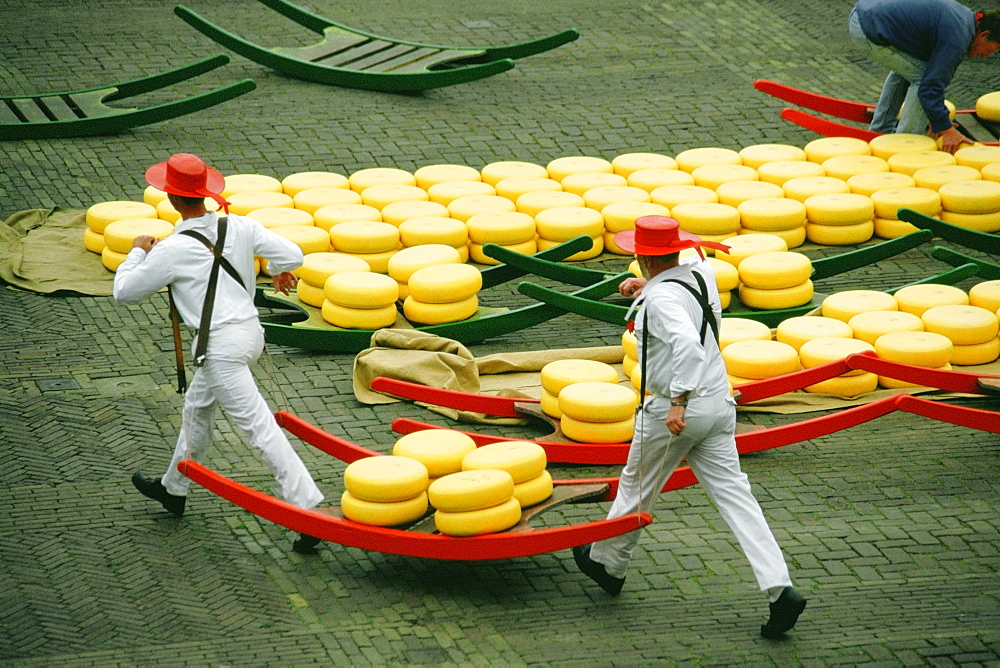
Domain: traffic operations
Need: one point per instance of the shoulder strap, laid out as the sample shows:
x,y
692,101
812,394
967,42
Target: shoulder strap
x,y
708,316
213,279
216,249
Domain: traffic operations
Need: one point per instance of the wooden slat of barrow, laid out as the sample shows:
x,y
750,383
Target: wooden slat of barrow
x,y
335,42
418,61
7,115
30,110
59,108
346,59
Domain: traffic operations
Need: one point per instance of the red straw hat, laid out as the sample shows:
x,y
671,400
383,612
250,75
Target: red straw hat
x,y
661,235
187,175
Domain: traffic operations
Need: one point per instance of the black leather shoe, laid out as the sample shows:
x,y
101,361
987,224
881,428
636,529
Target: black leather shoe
x,y
154,489
595,571
784,613
305,544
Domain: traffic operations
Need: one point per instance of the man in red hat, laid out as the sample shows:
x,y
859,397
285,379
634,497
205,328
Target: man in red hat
x,y
690,415
184,261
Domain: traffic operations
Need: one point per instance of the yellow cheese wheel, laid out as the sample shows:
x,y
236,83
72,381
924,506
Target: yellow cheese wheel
x,y
693,158
241,183
610,245
824,148
990,172
867,184
523,460
560,373
621,216
798,330
364,236
759,154
495,172
839,209
988,106
804,187
514,187
725,299
735,381
550,404
381,195
597,402
630,345
166,211
845,166
153,195
840,235
293,184
271,217
436,314
714,175
917,348
783,170
742,329
310,294
651,179
597,432
446,231
403,264
935,177
566,222
775,270
363,179
635,376
911,162
243,203
745,245
309,238
535,202
771,299
870,325
793,237
753,358
112,259
848,303
707,218
727,277
671,196
918,298
986,295
314,199
386,479
890,228
101,215
361,290
463,491
317,267
430,175
600,197
896,384
478,522
560,168
397,213
440,450
477,255
977,156
331,215
628,363
381,513
534,491
846,386
378,262
440,284
772,213
447,192
581,182
888,145
981,222
823,350
359,318
503,229
466,207
596,249
93,241
735,193
977,353
969,197
963,324
629,163
119,235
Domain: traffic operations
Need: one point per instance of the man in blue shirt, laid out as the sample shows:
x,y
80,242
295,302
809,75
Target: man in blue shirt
x,y
922,43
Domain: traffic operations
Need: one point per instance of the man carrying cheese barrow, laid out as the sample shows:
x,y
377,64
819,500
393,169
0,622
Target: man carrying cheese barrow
x,y
922,42
214,294
689,415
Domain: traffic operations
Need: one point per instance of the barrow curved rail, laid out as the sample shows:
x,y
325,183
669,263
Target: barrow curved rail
x,y
988,271
355,59
83,113
981,241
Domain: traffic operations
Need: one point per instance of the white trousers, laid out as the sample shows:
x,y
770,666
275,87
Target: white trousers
x,y
226,380
709,446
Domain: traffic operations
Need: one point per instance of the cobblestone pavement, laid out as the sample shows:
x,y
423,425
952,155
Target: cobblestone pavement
x,y
890,528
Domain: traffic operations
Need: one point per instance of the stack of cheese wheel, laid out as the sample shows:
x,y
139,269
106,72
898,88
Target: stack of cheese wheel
x,y
627,164
926,349
560,168
986,295
742,329
515,186
745,245
363,179
243,203
474,502
385,491
778,216
781,171
557,375
293,184
523,460
271,217
554,226
495,172
360,300
99,216
441,451
630,350
846,166
443,293
710,221
886,146
839,219
846,304
819,351
971,204
918,298
775,280
513,230
597,412
581,182
693,158
752,359
398,213
317,268
621,216
761,154
889,202
429,176
402,265
870,325
331,215
374,242
436,230
119,235
244,183
314,199
534,203
449,191
727,279
935,177
822,149
796,331
971,329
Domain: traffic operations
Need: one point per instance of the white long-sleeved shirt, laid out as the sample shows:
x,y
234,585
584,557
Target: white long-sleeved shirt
x,y
183,263
678,361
